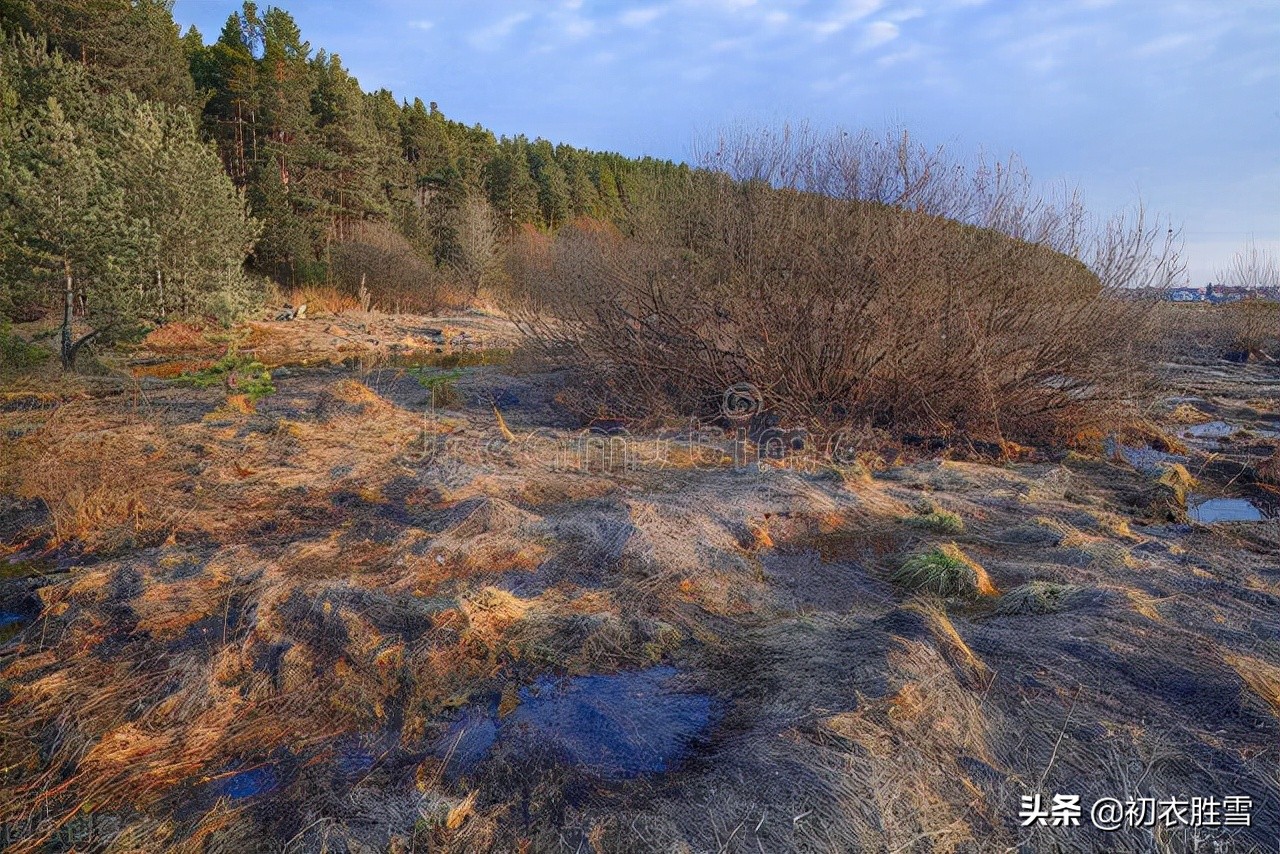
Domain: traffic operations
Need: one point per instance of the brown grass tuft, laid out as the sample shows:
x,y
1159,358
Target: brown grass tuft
x,y
320,299
178,337
102,486
1269,469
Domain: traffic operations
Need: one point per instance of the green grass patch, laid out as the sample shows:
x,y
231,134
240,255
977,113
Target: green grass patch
x,y
237,374
18,354
937,520
1037,597
946,571
440,382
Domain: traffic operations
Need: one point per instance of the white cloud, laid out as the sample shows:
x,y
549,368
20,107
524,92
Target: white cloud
x,y
848,13
423,25
640,17
493,35
876,34
908,14
1163,44
897,57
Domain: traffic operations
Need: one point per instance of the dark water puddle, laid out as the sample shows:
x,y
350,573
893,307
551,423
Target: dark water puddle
x,y
12,622
354,760
1207,511
246,784
615,726
19,606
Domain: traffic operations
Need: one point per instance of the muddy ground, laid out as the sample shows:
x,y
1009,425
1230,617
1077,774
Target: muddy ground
x,y
409,602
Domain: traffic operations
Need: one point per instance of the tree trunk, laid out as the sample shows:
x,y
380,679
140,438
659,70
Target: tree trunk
x,y
68,303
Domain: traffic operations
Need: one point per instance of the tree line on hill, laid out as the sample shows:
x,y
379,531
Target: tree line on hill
x,y
146,173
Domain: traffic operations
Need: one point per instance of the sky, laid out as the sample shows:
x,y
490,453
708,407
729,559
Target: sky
x,y
1174,104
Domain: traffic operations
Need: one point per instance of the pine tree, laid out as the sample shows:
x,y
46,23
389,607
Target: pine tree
x,y
228,73
128,45
553,186
345,174
72,230
583,198
511,188
197,231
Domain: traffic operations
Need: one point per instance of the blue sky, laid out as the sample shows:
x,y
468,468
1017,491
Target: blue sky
x,y
1174,102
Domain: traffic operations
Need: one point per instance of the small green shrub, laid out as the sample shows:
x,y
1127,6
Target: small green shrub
x,y
237,296
16,353
936,519
1037,597
238,374
946,571
440,383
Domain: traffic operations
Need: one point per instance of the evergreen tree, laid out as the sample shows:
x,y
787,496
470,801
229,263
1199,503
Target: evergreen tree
x,y
228,73
197,230
128,45
553,186
345,174
72,230
511,188
118,213
583,198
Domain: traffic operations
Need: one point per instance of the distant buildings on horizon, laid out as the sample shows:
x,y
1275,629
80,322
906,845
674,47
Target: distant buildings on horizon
x,y
1221,293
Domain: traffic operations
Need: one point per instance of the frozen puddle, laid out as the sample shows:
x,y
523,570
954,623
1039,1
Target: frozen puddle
x,y
1214,510
621,725
1146,460
1223,430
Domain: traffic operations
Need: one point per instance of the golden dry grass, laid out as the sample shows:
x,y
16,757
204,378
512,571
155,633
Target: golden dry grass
x,y
179,337
319,299
1262,677
102,483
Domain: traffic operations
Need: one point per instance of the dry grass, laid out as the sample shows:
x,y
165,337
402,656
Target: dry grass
x,y
1269,469
896,775
324,300
172,369
327,584
104,484
1262,677
179,337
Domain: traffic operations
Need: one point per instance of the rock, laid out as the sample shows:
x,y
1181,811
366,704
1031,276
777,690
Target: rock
x,y
291,313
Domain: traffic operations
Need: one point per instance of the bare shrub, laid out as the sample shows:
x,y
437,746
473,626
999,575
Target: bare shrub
x,y
853,279
376,257
1250,326
1245,328
480,239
